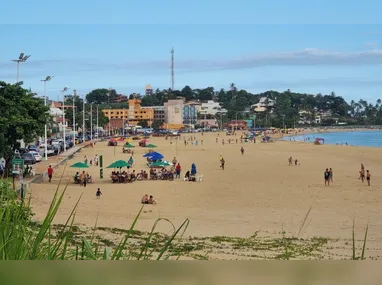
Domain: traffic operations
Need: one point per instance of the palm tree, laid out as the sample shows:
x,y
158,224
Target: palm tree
x,y
233,88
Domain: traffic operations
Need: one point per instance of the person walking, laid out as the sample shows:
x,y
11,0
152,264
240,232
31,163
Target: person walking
x,y
178,169
98,193
50,173
368,176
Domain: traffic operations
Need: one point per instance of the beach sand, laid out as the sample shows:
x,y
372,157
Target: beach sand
x,y
257,191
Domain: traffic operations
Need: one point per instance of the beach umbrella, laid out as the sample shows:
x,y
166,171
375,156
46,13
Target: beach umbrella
x,y
160,164
151,146
150,154
79,165
156,157
128,145
119,164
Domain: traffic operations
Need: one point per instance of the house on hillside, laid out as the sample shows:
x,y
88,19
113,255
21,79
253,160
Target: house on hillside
x,y
264,104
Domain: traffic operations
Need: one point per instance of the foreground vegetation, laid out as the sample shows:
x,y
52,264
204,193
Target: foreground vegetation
x,y
23,239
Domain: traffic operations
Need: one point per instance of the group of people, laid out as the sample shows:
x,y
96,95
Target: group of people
x,y
148,199
362,175
95,160
290,160
127,176
82,178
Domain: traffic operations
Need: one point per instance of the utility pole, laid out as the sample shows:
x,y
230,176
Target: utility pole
x,y
172,69
109,120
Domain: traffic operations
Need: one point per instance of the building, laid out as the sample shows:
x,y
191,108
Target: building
x,y
159,113
263,104
121,98
133,114
148,90
173,110
210,108
190,114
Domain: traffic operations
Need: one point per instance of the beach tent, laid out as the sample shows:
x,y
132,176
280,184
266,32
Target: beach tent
x,y
119,164
156,157
128,145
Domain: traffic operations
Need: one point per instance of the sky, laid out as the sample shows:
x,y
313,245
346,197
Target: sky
x,y
306,46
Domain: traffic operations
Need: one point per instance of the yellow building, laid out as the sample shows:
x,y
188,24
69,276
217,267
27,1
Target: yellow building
x,y
133,114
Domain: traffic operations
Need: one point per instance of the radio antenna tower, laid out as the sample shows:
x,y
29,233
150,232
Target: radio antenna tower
x,y
172,69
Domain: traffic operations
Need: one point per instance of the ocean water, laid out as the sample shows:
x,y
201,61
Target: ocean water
x,y
360,138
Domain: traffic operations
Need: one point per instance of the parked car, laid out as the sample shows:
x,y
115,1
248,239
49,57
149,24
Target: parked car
x,y
36,155
32,148
28,158
50,150
57,149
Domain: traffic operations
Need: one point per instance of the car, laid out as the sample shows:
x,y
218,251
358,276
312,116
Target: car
x,y
36,155
57,149
50,150
28,158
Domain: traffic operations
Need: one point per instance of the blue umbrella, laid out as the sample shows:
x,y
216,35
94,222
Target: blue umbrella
x,y
154,155
193,169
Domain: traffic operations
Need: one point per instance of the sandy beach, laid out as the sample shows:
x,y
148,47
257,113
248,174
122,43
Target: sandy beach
x,y
257,191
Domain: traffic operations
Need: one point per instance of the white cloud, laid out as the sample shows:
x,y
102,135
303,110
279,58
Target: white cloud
x,y
306,57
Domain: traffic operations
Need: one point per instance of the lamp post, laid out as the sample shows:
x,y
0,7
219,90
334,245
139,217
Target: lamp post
x,y
48,78
123,122
63,115
97,123
74,117
22,58
283,122
109,119
91,122
83,118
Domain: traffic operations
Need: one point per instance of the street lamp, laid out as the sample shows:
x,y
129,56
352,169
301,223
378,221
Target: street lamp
x,y
109,119
74,117
22,58
91,122
48,78
83,118
283,122
63,115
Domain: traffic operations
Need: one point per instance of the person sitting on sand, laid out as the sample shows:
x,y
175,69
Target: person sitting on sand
x,y
187,175
151,200
296,162
145,199
290,161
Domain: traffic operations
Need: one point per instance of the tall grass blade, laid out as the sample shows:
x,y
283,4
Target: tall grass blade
x,y
364,242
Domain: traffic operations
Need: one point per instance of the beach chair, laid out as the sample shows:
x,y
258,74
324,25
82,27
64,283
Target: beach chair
x,y
199,178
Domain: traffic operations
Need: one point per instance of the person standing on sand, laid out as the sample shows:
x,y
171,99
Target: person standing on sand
x,y
362,175
222,163
242,150
327,177
362,169
290,161
368,176
50,173
86,160
174,161
331,174
178,169
98,193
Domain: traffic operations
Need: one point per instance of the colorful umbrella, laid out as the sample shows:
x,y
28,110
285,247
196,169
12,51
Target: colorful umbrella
x,y
128,145
119,164
150,154
160,164
151,146
79,165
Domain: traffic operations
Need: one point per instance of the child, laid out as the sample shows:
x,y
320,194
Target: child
x,y
98,193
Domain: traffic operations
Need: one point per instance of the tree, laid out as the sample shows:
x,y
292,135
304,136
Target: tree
x,y
157,124
100,96
143,123
23,117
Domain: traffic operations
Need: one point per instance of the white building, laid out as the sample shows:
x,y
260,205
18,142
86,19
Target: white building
x,y
173,111
263,104
210,108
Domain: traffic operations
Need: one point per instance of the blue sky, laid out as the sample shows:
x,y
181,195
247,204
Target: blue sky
x,y
306,46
